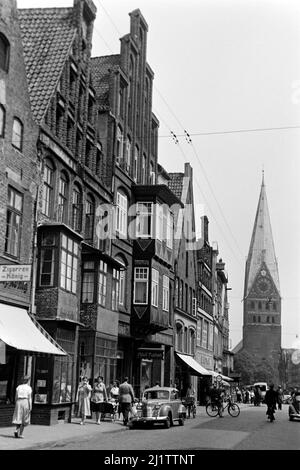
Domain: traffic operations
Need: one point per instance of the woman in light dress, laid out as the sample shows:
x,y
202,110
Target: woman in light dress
x,y
99,395
21,416
83,399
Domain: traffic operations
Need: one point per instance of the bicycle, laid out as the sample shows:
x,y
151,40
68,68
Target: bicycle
x,y
213,409
189,403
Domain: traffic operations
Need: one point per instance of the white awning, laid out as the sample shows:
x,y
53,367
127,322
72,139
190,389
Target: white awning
x,y
21,331
216,374
194,365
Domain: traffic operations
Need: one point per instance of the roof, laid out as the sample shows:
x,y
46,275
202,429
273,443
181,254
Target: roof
x,y
176,183
100,71
262,245
238,347
47,36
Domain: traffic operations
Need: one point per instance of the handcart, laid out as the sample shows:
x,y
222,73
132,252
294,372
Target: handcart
x,y
109,410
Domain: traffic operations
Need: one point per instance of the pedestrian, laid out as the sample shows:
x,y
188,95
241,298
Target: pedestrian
x,y
190,398
23,406
126,399
114,391
257,396
271,400
279,397
98,397
238,395
83,399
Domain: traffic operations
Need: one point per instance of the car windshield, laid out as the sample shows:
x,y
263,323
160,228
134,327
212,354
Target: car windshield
x,y
156,395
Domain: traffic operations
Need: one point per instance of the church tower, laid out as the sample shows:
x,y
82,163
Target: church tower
x,y
262,301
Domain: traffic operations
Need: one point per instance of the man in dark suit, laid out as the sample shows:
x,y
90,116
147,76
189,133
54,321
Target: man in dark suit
x,y
126,398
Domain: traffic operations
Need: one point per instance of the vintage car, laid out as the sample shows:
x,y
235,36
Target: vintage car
x,y
159,405
294,407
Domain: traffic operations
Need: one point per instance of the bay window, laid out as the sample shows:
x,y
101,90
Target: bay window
x,y
166,293
154,287
88,282
13,222
144,220
141,278
48,179
102,283
69,264
115,289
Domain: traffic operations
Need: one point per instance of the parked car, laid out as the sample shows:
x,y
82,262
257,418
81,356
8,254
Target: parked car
x,y
294,408
159,405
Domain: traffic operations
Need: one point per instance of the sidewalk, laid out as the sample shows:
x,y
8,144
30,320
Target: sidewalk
x,y
35,435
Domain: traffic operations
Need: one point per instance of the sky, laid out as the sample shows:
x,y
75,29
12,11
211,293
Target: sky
x,y
222,66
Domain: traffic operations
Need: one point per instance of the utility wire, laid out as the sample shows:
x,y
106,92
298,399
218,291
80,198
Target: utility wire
x,y
236,131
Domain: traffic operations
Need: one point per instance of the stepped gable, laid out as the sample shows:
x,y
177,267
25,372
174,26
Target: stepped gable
x,y
47,36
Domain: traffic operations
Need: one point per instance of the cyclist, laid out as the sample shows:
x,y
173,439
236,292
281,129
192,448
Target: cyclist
x,y
190,398
216,396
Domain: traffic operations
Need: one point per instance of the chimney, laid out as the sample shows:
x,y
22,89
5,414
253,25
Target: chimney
x,y
204,228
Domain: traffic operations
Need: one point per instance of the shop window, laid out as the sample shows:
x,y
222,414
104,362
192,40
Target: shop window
x,y
17,134
141,285
88,282
102,280
14,215
106,359
69,264
4,53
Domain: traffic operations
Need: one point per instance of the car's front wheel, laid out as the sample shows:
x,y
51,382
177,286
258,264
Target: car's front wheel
x,y
168,421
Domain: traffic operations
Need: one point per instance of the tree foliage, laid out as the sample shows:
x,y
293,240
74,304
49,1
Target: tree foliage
x,y
253,368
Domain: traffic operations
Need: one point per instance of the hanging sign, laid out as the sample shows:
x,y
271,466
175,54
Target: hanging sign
x,y
15,272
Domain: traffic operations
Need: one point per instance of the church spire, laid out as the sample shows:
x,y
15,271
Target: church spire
x,y
262,245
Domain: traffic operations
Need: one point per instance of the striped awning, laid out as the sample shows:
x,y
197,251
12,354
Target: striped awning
x,y
20,330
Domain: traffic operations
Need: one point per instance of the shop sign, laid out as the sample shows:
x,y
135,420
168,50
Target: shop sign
x,y
13,272
150,353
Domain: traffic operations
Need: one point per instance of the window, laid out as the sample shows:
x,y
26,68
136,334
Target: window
x,y
194,304
59,119
102,283
89,218
170,230
115,289
204,334
267,306
47,258
69,264
159,222
187,264
91,106
76,208
274,306
17,134
166,288
181,294
211,337
88,153
62,198
48,178
144,172
254,318
192,342
2,120
98,162
144,220
141,285
121,214
179,336
186,298
268,319
119,144
154,287
135,165
70,130
259,305
258,319
4,53
122,281
152,174
273,320
176,293
13,222
128,153
120,105
252,305
88,282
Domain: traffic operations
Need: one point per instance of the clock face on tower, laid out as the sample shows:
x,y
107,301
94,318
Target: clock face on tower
x,y
263,286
